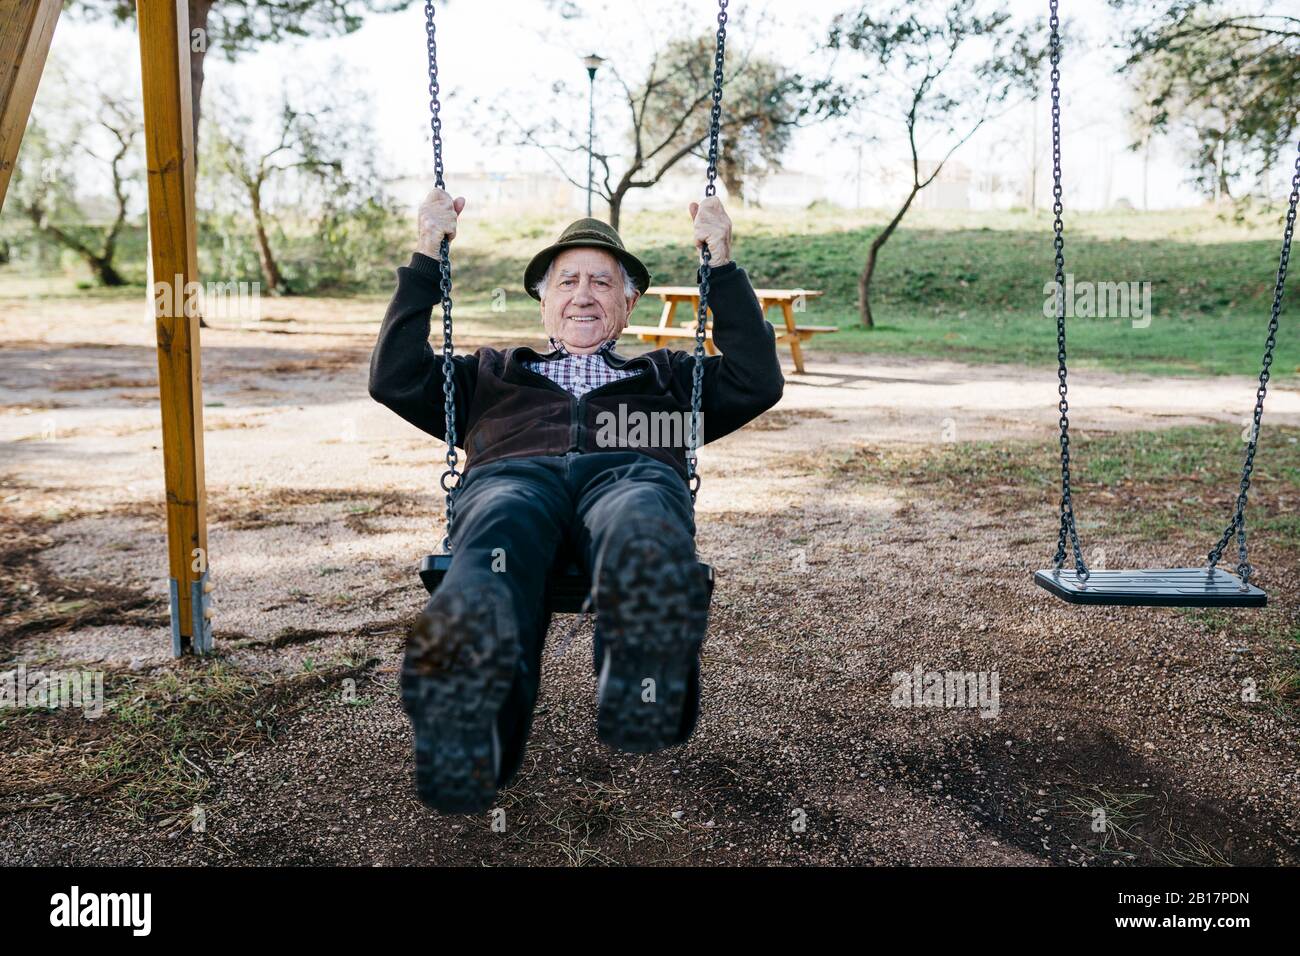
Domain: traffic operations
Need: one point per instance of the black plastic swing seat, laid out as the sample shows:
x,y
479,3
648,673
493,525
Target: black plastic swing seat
x,y
567,587
1153,587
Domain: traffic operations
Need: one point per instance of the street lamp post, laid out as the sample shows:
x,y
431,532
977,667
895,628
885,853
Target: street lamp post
x,y
592,63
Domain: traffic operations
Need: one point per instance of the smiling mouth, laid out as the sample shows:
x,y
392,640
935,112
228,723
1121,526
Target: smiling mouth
x,y
583,318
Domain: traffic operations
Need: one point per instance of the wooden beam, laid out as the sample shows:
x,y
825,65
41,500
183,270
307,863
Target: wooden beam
x,y
169,158
26,29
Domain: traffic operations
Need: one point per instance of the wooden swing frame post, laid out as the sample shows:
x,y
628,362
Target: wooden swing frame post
x,y
26,29
169,156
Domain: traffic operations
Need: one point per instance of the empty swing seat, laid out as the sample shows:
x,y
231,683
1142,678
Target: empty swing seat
x,y
567,586
1153,587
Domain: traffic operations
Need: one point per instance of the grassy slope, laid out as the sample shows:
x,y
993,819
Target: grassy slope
x,y
960,285
967,286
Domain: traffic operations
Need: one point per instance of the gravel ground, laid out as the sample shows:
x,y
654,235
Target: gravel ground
x,y
828,585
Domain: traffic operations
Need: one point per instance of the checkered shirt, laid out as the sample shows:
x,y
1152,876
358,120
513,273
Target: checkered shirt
x,y
579,374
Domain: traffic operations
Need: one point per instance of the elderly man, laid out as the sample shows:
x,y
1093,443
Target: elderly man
x,y
554,469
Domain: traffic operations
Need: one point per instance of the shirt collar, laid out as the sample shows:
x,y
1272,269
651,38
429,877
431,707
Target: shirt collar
x,y
559,351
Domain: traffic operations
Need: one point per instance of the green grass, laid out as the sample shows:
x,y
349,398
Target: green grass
x,y
959,285
1152,484
969,286
978,295
966,286
1201,453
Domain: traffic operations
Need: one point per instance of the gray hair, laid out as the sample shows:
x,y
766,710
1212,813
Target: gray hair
x,y
629,287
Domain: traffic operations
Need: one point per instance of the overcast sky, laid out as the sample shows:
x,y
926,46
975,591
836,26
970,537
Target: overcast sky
x,y
518,49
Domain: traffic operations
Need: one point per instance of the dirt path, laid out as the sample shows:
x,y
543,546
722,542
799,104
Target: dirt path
x,y
828,586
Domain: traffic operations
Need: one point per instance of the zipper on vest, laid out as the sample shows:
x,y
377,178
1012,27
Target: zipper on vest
x,y
575,403
577,412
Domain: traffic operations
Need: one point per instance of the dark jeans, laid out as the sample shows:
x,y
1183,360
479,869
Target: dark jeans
x,y
513,517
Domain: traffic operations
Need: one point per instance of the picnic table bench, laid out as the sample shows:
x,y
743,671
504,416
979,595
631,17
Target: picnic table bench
x,y
674,295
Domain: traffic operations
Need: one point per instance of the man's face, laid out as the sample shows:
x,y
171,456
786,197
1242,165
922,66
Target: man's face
x,y
583,305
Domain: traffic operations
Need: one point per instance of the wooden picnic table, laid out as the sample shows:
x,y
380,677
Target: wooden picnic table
x,y
674,295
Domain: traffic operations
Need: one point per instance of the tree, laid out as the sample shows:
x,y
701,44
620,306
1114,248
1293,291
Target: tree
x,y
1142,127
237,26
765,98
1228,79
939,74
314,167
667,115
63,134
1210,123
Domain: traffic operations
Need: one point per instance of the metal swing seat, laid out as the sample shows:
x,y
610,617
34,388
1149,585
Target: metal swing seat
x,y
569,585
1208,586
1153,587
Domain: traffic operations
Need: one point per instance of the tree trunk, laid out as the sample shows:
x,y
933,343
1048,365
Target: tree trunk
x,y
864,279
199,10
101,264
732,177
864,288
616,206
105,271
275,284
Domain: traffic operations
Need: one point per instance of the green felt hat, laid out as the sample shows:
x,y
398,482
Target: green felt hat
x,y
586,233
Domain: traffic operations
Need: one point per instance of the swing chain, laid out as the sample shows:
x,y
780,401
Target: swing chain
x,y
450,477
1238,524
1068,528
701,318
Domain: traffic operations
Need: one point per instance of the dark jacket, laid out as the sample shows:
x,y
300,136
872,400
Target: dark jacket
x,y
505,410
